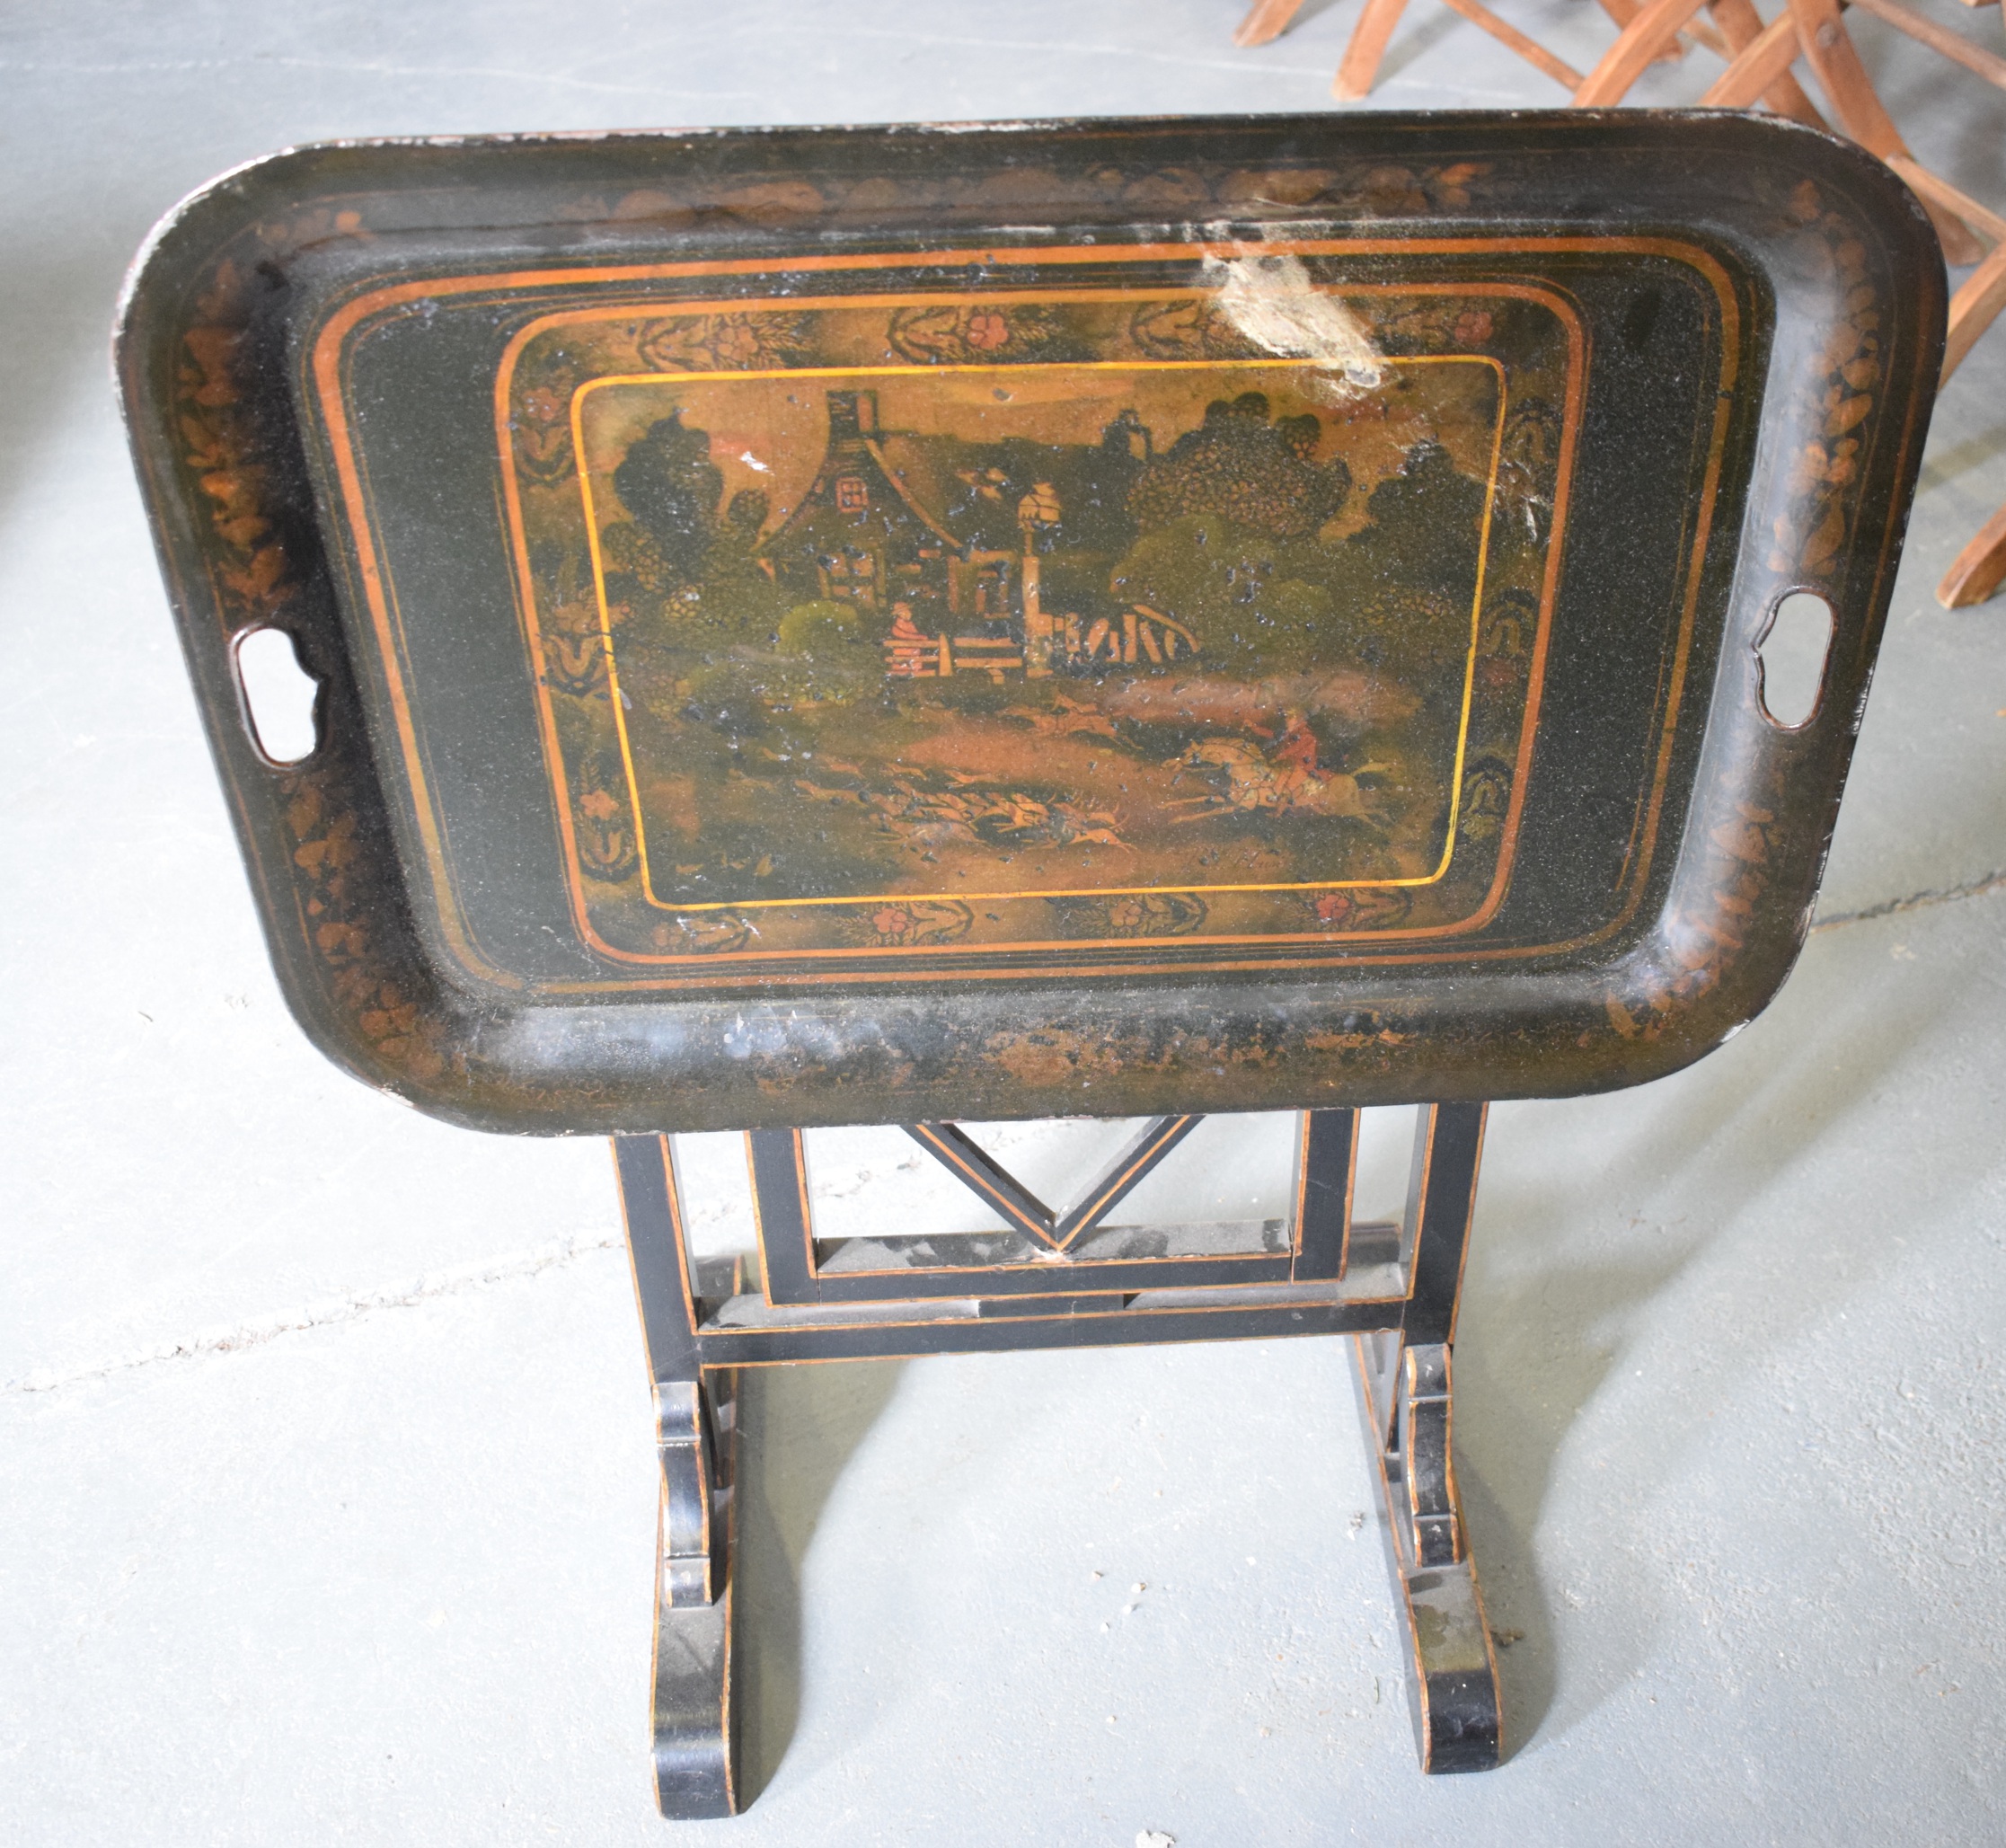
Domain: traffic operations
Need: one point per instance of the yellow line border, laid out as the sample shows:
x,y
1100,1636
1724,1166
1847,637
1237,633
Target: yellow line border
x,y
618,703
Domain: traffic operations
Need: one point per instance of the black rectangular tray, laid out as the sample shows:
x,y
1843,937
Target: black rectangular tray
x,y
881,624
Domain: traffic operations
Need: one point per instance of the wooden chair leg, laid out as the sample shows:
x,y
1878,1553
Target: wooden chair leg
x,y
1636,48
1622,12
1861,114
1741,26
1367,47
1651,34
1972,309
1945,44
1513,39
1761,64
1266,20
1980,568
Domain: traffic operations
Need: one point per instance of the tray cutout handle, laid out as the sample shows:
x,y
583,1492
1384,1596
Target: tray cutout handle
x,y
282,700
1790,655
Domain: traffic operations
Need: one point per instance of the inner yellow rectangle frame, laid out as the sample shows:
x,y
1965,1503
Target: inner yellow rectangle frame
x,y
579,399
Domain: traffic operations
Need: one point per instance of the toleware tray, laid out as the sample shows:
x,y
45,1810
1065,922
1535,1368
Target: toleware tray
x,y
887,625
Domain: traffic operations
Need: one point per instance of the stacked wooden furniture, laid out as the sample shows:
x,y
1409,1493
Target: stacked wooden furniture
x,y
1760,70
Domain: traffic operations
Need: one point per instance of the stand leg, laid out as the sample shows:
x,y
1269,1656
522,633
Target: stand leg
x,y
1404,1384
1404,1393
694,1743
1451,1669
695,1427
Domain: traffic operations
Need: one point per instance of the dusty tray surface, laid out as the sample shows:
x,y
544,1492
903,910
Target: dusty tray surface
x,y
897,623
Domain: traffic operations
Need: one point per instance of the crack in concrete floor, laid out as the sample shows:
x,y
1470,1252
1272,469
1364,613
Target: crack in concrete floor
x,y
511,1268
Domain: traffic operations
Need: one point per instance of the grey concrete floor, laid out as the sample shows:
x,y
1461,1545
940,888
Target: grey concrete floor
x,y
324,1438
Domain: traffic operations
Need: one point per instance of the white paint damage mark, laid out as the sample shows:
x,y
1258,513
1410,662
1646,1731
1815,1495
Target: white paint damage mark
x,y
1154,1838
1269,299
752,462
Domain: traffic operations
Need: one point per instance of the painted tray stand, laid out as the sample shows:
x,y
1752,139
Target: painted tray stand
x,y
1403,1281
1134,620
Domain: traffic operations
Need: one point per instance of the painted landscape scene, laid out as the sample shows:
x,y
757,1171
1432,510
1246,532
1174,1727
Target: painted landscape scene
x,y
982,632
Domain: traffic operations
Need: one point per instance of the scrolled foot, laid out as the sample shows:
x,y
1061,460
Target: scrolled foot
x,y
1451,1669
694,1747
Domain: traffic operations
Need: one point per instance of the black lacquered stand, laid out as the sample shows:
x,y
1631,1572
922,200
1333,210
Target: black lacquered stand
x,y
1062,1278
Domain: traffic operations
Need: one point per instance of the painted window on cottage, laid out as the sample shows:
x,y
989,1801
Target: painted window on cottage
x,y
991,584
852,574
851,494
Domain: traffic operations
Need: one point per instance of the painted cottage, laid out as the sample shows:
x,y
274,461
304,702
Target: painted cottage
x,y
931,535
